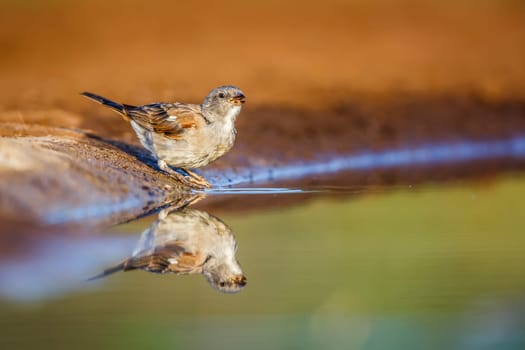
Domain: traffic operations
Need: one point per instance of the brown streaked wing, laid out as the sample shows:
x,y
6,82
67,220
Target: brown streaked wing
x,y
152,263
158,261
161,261
156,117
187,263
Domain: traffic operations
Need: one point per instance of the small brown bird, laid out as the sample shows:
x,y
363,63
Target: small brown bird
x,y
187,241
183,135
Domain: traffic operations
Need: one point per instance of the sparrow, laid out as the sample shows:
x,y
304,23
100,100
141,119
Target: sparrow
x,y
185,242
184,136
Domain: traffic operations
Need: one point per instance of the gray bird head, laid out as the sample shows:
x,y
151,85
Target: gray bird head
x,y
226,277
224,100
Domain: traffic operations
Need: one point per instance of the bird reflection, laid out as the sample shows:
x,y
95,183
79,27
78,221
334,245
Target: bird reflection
x,y
187,241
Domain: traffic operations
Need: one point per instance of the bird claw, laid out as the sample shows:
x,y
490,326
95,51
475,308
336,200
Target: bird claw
x,y
186,177
191,179
195,182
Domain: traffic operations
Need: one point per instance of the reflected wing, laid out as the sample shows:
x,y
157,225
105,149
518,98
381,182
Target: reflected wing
x,y
187,264
170,258
168,119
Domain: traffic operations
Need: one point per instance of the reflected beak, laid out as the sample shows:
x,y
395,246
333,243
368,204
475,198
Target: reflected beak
x,y
239,99
239,280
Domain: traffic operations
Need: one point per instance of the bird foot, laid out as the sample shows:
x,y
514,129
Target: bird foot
x,y
186,177
195,182
197,179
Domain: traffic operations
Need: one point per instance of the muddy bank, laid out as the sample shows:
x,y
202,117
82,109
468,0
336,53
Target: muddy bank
x,y
277,135
57,176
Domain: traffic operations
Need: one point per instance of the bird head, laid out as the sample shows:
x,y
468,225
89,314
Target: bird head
x,y
224,100
224,276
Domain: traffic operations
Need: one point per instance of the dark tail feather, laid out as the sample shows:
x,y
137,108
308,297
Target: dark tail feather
x,y
111,270
102,100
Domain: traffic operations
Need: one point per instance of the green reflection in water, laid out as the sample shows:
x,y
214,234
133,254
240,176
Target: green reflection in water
x,y
434,269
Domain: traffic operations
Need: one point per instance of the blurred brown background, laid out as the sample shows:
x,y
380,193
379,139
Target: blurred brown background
x,y
302,53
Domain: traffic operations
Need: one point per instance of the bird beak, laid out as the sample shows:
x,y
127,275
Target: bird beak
x,y
239,99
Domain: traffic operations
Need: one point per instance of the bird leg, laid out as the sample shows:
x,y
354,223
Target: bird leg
x,y
180,205
190,179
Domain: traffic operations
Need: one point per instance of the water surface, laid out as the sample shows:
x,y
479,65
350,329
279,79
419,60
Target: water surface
x,y
428,267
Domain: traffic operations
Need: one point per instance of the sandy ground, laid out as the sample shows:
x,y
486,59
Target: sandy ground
x,y
294,52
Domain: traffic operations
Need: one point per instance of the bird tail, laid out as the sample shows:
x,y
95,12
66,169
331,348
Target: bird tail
x,y
117,107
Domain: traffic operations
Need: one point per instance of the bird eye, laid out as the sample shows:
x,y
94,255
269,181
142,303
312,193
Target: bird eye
x,y
221,95
222,284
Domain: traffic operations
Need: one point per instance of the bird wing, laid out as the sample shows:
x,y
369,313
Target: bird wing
x,y
171,258
168,119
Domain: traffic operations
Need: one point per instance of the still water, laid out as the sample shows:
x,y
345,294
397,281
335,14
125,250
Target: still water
x,y
427,267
